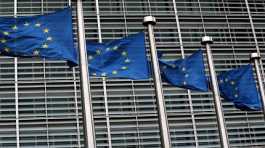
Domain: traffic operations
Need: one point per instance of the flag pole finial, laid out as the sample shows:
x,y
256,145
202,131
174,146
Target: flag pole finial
x,y
149,20
207,40
254,55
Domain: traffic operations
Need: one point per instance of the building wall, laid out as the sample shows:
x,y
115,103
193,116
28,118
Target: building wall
x,y
42,107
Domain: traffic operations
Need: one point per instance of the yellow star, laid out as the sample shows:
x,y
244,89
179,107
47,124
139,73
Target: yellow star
x,y
36,52
232,82
236,95
37,24
124,67
94,74
3,40
6,33
221,81
90,57
127,60
124,53
6,49
184,83
14,27
186,75
103,74
46,30
114,72
26,24
108,49
183,68
45,45
115,47
98,52
49,38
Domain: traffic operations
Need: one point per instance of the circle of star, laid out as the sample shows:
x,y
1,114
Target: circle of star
x,y
40,27
123,66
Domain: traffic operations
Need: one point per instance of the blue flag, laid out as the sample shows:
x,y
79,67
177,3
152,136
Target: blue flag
x,y
48,36
121,58
238,86
186,73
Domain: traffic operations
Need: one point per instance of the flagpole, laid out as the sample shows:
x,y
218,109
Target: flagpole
x,y
150,21
206,40
255,58
87,110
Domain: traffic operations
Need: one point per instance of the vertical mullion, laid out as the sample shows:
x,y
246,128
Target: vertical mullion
x,y
132,82
201,15
16,87
255,38
76,109
42,6
76,99
45,89
188,91
124,17
104,80
136,114
230,33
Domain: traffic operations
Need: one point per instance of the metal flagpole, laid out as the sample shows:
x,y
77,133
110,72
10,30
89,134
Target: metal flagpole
x,y
87,110
149,21
255,57
206,40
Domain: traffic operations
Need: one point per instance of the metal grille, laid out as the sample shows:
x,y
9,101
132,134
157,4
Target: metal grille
x,y
125,115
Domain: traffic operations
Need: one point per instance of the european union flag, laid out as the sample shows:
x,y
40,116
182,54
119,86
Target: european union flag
x,y
48,36
121,58
238,85
186,73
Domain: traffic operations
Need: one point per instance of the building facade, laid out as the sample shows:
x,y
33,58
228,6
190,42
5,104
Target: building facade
x,y
40,102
